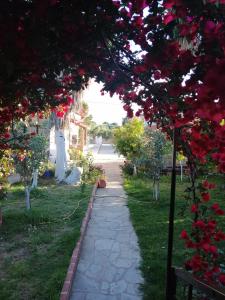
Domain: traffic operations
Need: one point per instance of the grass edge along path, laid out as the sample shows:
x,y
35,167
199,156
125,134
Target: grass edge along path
x,y
36,246
150,221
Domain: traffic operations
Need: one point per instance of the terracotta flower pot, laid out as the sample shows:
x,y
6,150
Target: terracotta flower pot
x,y
101,183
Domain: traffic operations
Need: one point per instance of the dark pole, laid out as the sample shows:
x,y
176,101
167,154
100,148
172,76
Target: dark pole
x,y
169,277
37,128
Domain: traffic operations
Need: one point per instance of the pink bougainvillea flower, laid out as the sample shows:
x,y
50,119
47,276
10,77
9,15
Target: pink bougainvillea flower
x,y
157,75
219,236
211,224
206,247
219,212
209,26
60,114
215,206
184,235
222,278
208,185
7,135
169,3
213,249
168,18
81,71
205,196
194,208
199,224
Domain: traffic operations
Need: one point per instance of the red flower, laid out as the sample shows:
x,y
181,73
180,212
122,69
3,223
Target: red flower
x,y
196,263
206,247
184,235
169,3
168,18
212,224
7,135
190,244
205,196
222,278
194,208
215,206
208,185
139,69
200,224
81,72
219,212
60,114
213,249
126,107
219,236
70,100
157,75
208,275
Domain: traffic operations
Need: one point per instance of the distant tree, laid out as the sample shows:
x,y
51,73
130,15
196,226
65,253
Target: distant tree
x,y
88,120
105,130
113,125
153,150
128,140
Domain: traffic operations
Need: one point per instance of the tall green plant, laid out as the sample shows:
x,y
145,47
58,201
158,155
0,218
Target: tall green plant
x,y
128,140
152,157
27,163
6,168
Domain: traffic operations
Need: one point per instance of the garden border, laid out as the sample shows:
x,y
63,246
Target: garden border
x,y
66,290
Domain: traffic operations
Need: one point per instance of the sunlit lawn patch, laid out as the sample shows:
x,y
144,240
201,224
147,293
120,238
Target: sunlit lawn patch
x,y
150,220
36,245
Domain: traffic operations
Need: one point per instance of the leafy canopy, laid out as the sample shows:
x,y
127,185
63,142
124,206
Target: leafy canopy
x,y
129,138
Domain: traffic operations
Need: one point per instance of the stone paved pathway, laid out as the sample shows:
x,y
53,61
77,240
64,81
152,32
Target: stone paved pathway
x,y
109,262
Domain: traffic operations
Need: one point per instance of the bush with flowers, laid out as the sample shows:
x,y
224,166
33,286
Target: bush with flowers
x,y
206,238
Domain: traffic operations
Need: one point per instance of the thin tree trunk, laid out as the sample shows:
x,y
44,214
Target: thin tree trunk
x,y
35,179
156,191
181,170
60,166
1,216
27,197
135,170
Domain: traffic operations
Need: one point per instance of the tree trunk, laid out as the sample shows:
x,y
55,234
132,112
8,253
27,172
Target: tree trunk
x,y
27,197
181,171
35,179
156,191
1,216
135,170
60,166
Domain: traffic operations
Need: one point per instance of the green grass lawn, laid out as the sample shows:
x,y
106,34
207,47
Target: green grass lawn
x,y
36,246
150,220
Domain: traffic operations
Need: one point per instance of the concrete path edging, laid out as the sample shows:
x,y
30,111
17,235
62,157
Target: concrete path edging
x,y
66,290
